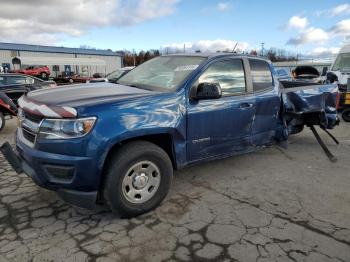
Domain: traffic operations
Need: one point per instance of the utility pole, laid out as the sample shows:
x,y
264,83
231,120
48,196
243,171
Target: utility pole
x,y
184,48
133,52
262,48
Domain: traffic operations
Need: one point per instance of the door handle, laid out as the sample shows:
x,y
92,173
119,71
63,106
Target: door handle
x,y
246,105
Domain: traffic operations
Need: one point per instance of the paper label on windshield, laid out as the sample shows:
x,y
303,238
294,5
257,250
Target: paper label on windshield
x,y
186,68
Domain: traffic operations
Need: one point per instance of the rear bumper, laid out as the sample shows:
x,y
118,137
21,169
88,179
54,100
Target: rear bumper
x,y
35,168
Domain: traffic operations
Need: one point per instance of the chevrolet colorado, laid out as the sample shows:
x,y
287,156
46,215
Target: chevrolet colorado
x,y
119,143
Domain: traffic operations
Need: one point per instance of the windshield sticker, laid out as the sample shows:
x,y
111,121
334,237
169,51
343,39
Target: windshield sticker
x,y
186,68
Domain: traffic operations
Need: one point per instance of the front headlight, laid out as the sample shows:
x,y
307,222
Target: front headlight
x,y
66,128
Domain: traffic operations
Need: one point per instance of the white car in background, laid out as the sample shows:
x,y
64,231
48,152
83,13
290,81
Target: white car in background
x,y
112,77
340,69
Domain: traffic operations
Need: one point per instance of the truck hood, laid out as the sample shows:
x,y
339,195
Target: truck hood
x,y
64,102
86,94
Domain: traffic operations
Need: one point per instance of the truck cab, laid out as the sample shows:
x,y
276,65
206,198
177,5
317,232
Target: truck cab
x,y
341,67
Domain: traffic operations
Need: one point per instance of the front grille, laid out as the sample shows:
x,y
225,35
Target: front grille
x,y
28,135
32,117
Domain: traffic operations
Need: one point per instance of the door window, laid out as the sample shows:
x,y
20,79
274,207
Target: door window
x,y
261,75
13,80
229,74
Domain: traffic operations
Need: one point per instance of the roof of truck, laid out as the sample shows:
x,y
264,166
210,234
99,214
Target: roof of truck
x,y
345,49
212,55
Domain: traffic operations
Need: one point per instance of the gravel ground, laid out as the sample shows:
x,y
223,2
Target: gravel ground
x,y
273,205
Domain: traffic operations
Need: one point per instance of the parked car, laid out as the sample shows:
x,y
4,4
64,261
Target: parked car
x,y
340,69
119,144
15,85
7,109
42,72
283,74
308,74
112,77
344,96
72,78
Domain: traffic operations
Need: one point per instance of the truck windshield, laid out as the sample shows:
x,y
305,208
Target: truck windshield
x,y
342,63
163,73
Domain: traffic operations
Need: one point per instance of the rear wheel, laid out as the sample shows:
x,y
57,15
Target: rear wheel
x,y
2,121
137,179
346,115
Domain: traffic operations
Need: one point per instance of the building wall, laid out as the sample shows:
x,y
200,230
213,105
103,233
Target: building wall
x,y
112,62
53,55
6,58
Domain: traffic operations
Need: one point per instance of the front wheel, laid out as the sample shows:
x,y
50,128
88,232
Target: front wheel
x,y
2,121
138,178
346,115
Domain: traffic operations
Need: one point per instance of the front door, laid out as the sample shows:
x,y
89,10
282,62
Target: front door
x,y
218,127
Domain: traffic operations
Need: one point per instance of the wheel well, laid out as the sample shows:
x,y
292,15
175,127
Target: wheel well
x,y
164,141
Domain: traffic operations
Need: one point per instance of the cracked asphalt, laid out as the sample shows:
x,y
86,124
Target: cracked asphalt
x,y
272,205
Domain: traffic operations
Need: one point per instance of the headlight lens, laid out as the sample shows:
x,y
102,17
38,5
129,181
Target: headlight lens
x,y
66,128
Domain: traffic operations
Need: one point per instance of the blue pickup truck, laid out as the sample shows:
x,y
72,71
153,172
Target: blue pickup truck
x,y
119,143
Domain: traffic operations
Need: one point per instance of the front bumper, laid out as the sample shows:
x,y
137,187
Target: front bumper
x,y
34,164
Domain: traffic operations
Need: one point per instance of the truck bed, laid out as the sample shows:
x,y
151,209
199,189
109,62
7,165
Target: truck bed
x,y
305,104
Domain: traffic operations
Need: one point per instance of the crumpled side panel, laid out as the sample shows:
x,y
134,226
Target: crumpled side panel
x,y
318,100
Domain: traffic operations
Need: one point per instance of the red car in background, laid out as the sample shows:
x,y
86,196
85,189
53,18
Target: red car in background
x,y
72,78
39,71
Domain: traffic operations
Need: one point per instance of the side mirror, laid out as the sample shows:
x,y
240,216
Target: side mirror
x,y
207,91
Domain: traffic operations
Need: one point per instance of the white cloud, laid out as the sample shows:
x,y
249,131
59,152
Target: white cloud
x,y
340,10
324,52
206,46
297,22
341,28
310,35
223,6
44,22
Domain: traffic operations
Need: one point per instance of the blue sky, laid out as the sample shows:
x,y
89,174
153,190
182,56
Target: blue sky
x,y
299,26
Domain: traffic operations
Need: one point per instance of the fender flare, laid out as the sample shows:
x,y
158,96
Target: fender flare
x,y
131,135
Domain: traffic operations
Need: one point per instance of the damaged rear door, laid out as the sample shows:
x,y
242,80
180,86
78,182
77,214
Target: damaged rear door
x,y
267,102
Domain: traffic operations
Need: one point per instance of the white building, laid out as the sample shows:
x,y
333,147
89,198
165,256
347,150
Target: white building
x,y
60,59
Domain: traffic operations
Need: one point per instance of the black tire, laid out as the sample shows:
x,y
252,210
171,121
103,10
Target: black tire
x,y
2,121
120,163
346,115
